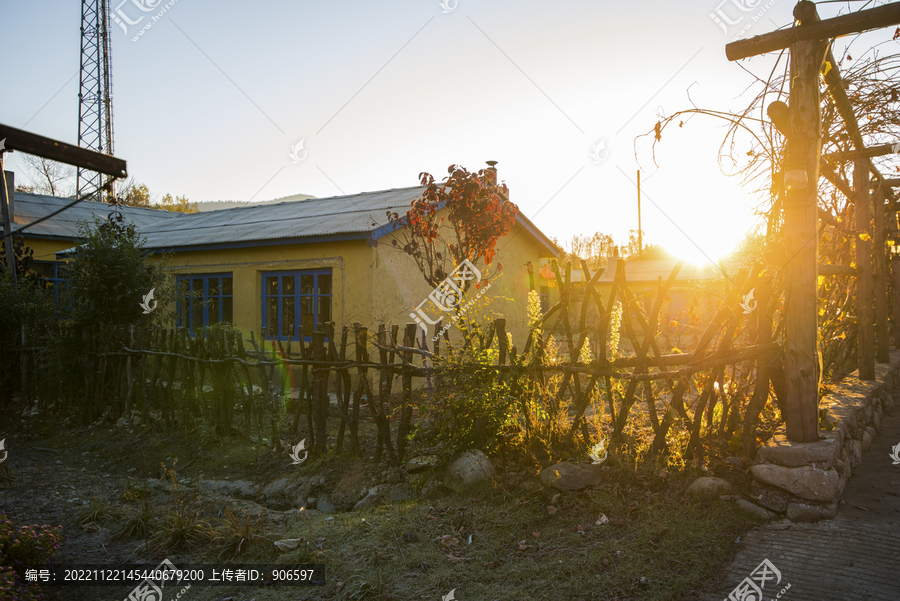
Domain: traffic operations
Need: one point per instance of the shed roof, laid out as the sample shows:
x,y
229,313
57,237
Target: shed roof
x,y
31,207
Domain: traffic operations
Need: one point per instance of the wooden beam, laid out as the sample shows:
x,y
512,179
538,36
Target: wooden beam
x,y
892,182
865,311
857,22
23,141
882,350
801,175
868,152
837,270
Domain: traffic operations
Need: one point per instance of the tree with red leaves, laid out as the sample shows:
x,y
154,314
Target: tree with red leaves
x,y
479,212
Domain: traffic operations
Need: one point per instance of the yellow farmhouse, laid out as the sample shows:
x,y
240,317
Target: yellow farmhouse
x,y
283,268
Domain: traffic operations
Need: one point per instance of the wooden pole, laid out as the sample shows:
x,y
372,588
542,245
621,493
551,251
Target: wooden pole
x,y
856,22
640,235
865,312
801,176
7,224
883,351
895,290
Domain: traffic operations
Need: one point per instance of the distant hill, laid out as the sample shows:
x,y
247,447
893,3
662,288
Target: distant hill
x,y
218,205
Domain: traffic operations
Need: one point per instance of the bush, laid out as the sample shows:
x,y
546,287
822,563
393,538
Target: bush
x,y
473,409
21,548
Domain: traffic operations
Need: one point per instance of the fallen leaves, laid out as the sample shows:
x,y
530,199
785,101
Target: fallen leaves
x,y
492,565
523,546
551,510
602,520
448,541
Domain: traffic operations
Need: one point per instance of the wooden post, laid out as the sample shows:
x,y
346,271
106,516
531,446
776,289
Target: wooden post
x,y
7,224
881,311
895,294
865,312
801,177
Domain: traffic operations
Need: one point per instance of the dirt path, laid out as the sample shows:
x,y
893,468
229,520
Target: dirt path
x,y
854,557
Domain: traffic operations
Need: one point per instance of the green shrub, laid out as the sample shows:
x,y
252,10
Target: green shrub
x,y
20,549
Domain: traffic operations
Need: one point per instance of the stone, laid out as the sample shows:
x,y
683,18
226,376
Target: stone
x,y
324,505
771,497
471,467
382,494
756,510
822,454
707,488
737,463
887,403
808,483
866,439
419,464
292,492
568,476
854,452
810,512
239,488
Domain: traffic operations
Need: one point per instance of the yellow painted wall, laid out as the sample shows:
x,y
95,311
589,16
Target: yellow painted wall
x,y
371,285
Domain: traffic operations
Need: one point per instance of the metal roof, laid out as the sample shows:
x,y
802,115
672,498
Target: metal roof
x,y
360,214
30,207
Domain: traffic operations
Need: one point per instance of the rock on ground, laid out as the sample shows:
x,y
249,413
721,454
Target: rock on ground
x,y
471,467
707,487
568,476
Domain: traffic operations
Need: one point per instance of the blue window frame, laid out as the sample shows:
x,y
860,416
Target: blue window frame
x,y
205,300
545,299
49,272
293,302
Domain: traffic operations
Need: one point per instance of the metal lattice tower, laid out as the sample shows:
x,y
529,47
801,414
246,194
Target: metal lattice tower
x,y
95,110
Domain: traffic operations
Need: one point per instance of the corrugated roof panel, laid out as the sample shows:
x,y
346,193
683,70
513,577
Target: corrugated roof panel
x,y
312,217
30,207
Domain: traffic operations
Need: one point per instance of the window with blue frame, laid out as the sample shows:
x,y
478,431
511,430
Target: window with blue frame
x,y
205,300
293,302
545,299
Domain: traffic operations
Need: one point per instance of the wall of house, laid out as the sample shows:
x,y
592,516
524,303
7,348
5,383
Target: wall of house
x,y
349,262
399,286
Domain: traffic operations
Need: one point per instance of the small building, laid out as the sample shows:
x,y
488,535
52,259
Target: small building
x,y
283,268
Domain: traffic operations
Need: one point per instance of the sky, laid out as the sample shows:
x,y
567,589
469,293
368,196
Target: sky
x,y
212,98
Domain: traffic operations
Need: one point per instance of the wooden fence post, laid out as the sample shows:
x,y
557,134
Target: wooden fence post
x,y
800,211
881,277
865,311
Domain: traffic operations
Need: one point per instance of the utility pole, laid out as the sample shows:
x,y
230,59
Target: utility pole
x,y
7,223
640,234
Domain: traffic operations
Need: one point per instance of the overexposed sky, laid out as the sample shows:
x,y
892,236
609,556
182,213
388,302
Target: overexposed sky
x,y
210,100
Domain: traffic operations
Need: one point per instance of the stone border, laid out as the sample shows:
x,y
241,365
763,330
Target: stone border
x,y
804,481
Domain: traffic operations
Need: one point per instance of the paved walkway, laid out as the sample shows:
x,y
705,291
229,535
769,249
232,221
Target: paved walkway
x,y
854,557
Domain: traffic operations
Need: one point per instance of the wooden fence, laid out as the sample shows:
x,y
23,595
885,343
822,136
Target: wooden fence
x,y
165,371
